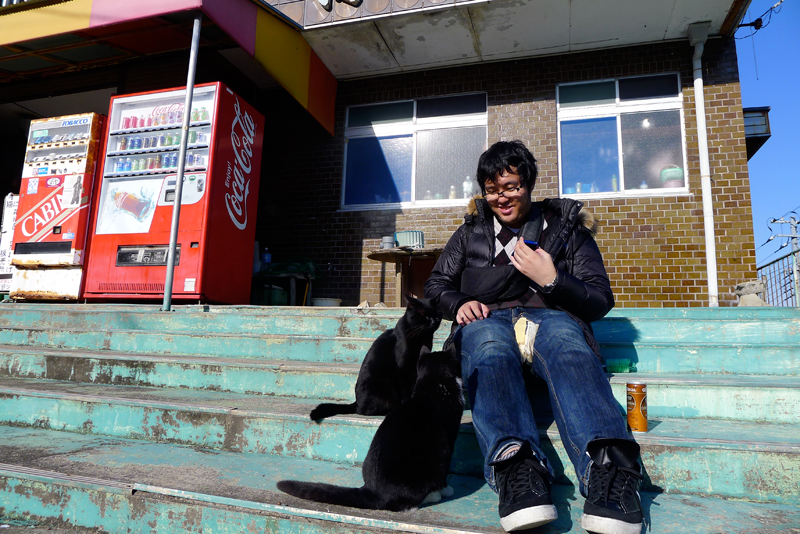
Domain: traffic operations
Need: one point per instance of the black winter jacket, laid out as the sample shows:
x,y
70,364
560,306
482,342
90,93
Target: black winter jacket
x,y
582,288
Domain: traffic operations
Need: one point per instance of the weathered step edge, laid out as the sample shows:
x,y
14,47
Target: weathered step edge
x,y
275,513
768,397
759,471
643,357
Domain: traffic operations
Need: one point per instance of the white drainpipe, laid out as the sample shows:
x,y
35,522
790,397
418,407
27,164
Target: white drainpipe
x,y
698,33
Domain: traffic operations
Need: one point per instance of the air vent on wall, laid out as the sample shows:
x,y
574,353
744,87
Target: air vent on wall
x,y
316,14
122,287
342,11
401,5
376,7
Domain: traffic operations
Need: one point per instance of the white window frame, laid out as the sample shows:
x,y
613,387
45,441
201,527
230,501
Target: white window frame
x,y
616,109
411,127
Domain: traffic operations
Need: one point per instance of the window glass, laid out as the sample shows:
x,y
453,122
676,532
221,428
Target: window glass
x,y
379,170
451,105
380,114
652,149
445,159
648,87
425,155
628,147
589,156
587,94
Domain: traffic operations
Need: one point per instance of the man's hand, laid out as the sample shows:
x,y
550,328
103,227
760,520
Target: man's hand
x,y
535,264
471,311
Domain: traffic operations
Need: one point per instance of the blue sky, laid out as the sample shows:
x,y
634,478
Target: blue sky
x,y
771,77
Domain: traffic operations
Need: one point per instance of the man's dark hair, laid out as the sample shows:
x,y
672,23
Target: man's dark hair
x,y
507,156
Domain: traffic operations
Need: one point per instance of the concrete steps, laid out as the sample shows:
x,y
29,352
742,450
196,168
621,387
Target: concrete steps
x,y
169,488
725,396
649,357
280,426
190,417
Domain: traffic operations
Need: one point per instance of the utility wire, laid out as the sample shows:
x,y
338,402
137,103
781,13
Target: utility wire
x,y
773,235
759,23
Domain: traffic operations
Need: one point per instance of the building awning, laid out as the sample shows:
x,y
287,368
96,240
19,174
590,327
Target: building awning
x,y
256,28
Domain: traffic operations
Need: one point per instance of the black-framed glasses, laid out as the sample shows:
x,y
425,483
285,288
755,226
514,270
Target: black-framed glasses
x,y
511,192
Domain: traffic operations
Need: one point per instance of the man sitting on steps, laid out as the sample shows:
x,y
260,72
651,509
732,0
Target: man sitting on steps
x,y
525,308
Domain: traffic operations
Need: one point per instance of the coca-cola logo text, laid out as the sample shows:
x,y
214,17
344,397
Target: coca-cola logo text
x,y
168,108
238,179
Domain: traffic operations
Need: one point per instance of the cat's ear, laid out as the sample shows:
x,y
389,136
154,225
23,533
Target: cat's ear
x,y
424,350
412,300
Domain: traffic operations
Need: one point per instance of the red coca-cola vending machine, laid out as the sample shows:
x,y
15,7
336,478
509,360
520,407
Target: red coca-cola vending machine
x,y
133,208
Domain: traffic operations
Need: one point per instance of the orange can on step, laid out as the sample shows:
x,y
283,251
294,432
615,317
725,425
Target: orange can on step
x,y
637,406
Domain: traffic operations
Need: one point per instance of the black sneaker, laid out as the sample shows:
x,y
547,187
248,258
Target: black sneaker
x,y
613,505
524,487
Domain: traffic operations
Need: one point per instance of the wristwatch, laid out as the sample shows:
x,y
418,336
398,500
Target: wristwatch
x,y
551,286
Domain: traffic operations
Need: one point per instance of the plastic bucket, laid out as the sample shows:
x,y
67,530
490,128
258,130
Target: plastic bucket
x,y
326,302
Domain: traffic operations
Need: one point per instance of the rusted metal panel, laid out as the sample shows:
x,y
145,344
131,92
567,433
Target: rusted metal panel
x,y
60,283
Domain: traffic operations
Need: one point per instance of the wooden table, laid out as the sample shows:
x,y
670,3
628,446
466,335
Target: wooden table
x,y
408,278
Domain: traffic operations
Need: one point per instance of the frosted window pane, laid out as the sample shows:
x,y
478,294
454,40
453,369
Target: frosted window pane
x,y
451,105
587,94
589,156
378,170
648,87
651,143
445,158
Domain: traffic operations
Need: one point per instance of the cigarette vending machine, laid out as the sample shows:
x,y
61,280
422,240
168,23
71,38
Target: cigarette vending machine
x,y
7,240
53,211
133,209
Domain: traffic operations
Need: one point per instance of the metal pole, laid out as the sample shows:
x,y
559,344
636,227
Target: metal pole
x,y
176,205
795,250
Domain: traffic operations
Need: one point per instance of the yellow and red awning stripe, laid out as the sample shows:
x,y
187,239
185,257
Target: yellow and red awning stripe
x,y
275,44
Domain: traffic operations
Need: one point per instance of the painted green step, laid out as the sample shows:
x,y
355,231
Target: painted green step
x,y
287,378
719,313
748,398
676,357
265,346
192,320
702,313
125,486
686,325
682,357
773,399
691,330
757,461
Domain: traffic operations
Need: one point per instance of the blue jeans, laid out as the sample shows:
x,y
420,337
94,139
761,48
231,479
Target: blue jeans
x,y
583,406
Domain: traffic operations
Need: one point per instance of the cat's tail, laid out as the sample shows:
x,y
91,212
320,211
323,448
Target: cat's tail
x,y
326,410
330,494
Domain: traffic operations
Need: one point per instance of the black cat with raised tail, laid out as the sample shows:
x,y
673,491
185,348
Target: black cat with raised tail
x,y
389,369
409,457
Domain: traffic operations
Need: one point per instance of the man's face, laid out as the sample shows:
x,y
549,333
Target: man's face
x,y
514,205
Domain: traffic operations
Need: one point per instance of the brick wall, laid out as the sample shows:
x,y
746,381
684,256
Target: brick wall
x,y
653,247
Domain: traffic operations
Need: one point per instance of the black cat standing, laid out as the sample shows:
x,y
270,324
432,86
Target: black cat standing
x,y
409,457
389,369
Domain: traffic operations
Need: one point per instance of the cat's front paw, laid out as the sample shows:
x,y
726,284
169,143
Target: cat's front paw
x,y
433,496
447,491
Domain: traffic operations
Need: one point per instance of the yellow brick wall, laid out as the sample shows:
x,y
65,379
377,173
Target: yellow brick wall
x,y
654,246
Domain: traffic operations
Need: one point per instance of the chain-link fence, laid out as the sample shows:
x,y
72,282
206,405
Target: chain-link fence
x,y
781,276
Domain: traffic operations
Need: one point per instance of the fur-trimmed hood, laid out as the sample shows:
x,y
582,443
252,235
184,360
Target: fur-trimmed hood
x,y
585,217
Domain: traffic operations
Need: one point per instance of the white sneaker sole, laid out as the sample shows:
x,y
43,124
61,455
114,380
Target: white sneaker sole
x,y
606,525
529,517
